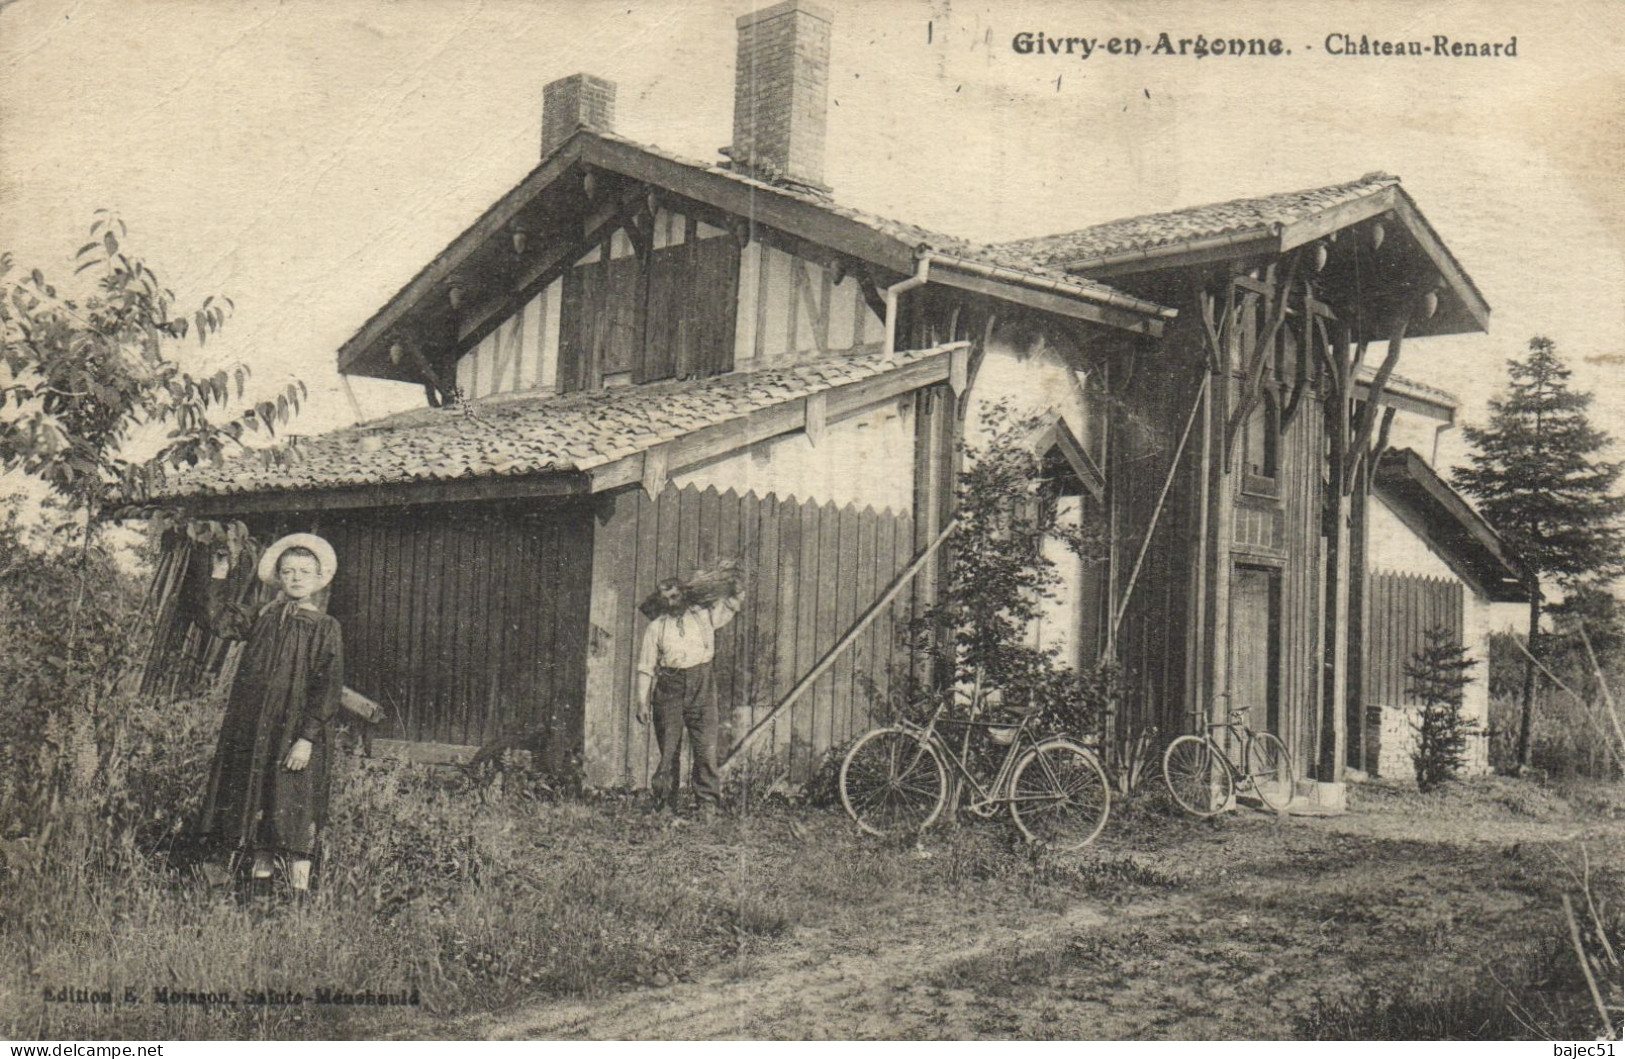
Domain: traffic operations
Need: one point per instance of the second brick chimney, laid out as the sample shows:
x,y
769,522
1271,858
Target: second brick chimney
x,y
781,91
570,102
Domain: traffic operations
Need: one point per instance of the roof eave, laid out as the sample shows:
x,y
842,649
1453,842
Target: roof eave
x,y
1222,247
552,484
444,264
763,205
1052,295
1513,580
1268,239
1413,401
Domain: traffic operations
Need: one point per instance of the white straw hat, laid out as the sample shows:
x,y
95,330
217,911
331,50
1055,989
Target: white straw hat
x,y
326,558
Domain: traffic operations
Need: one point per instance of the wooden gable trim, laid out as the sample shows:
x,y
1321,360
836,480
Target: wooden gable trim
x,y
389,494
488,315
1058,436
1455,279
1416,492
797,218
1049,302
441,268
1344,215
714,442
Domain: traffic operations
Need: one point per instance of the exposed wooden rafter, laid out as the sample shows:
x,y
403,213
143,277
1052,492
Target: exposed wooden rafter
x,y
562,252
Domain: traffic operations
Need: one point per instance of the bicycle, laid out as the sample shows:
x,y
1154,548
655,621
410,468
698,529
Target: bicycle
x,y
896,780
1203,777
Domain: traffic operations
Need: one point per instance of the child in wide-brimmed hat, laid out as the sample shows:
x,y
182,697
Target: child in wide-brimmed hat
x,y
268,787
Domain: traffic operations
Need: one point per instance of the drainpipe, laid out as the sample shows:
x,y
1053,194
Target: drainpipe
x,y
922,270
1438,432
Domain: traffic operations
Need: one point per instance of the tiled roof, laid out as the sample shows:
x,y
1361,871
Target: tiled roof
x,y
1411,388
1197,222
992,255
527,434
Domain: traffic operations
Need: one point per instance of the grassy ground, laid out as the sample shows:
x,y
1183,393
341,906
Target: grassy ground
x,y
514,917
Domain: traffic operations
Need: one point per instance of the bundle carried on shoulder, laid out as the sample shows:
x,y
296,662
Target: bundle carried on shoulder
x,y
703,587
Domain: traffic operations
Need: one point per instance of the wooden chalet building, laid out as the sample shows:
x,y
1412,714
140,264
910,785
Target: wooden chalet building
x,y
637,364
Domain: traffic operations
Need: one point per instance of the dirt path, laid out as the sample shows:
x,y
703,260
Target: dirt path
x,y
791,992
1265,919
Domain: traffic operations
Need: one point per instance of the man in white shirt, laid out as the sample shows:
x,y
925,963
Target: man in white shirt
x,y
674,679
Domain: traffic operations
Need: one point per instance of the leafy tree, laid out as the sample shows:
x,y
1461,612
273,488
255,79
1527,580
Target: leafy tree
x,y
997,578
1536,473
95,404
84,376
1438,676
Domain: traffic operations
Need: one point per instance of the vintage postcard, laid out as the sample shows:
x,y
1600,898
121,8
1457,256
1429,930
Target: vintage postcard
x,y
913,520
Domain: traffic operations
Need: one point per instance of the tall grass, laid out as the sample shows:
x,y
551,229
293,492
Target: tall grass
x,y
426,883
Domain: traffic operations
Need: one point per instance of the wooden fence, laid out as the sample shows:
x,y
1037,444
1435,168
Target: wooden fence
x,y
1403,607
811,570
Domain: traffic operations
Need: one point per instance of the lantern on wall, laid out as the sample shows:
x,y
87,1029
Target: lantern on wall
x,y
1377,235
519,240
1430,304
454,294
396,352
1321,254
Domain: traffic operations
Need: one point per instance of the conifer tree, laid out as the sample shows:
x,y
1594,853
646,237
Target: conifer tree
x,y
1438,676
1537,475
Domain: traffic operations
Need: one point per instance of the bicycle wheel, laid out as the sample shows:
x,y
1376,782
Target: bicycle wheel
x,y
1269,770
1059,796
893,782
1197,775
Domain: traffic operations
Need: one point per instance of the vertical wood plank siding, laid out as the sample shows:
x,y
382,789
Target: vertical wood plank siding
x,y
1403,608
810,575
467,625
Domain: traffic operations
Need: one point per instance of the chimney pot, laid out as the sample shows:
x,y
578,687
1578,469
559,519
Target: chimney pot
x,y
781,92
574,101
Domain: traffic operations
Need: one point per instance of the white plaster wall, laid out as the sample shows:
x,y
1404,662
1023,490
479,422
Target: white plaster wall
x,y
1033,379
866,460
1394,547
791,310
521,354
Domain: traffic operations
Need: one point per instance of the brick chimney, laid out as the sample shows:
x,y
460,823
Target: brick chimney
x,y
781,93
570,102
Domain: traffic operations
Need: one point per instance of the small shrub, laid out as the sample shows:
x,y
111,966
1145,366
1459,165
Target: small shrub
x,y
1438,677
755,779
823,788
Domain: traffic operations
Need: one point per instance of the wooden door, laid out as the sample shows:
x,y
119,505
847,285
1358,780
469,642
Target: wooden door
x,y
1255,649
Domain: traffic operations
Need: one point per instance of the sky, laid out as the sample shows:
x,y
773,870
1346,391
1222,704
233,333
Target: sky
x,y
307,158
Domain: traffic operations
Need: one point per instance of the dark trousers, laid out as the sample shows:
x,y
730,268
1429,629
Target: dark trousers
x,y
686,699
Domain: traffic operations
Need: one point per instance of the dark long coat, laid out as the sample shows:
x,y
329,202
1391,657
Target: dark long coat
x,y
288,687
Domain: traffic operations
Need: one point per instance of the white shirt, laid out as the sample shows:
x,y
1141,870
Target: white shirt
x,y
683,641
